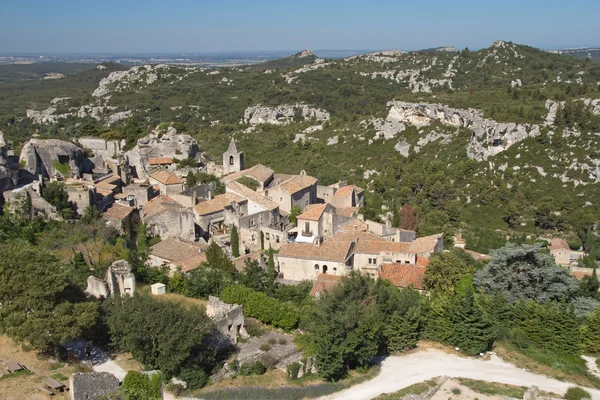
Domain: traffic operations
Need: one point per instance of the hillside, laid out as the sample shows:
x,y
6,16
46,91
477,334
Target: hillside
x,y
507,133
582,54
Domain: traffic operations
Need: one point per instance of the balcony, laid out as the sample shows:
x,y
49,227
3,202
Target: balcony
x,y
306,233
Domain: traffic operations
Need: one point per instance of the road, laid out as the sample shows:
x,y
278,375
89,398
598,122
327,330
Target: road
x,y
398,372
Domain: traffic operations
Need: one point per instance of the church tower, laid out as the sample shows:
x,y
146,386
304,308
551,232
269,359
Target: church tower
x,y
233,159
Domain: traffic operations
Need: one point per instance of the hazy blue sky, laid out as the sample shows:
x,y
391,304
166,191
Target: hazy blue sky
x,y
227,25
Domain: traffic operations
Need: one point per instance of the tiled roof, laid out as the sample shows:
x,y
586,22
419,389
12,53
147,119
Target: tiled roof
x,y
422,261
424,244
258,172
159,204
324,282
160,161
378,246
346,191
556,244
187,255
166,177
327,251
118,211
240,262
347,211
298,183
313,212
356,236
403,275
354,225
216,204
251,195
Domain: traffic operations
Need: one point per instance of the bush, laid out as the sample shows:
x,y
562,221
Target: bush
x,y
137,385
265,347
577,393
293,370
254,328
258,305
282,341
272,341
252,368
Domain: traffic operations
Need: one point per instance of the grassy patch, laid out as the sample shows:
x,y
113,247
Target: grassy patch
x,y
24,372
176,298
562,367
59,377
64,169
494,388
417,388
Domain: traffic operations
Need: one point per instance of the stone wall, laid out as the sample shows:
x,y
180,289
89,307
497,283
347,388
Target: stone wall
x,y
228,317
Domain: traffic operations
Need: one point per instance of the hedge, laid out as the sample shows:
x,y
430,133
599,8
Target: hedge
x,y
262,307
137,385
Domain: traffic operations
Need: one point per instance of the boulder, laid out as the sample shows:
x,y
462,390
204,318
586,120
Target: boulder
x,y
40,156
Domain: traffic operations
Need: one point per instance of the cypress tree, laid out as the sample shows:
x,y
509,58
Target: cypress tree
x,y
262,240
472,331
142,239
235,242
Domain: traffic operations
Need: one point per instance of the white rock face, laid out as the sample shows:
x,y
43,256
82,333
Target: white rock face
x,y
160,144
333,140
488,136
99,113
283,114
413,79
402,148
40,155
516,83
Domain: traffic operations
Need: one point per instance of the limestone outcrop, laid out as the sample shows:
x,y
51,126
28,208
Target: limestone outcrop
x,y
43,156
8,173
283,114
488,138
159,144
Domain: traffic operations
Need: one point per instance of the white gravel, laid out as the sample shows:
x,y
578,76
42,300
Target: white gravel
x,y
398,372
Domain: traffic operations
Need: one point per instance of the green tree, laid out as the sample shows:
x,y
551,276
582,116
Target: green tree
x,y
401,332
235,241
446,269
511,215
40,304
55,194
142,238
524,271
591,333
90,214
295,211
139,386
472,332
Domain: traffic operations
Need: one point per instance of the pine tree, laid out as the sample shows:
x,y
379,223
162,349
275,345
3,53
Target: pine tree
x,y
472,332
395,215
235,242
401,332
190,179
591,333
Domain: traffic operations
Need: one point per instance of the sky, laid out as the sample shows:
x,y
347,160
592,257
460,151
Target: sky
x,y
151,26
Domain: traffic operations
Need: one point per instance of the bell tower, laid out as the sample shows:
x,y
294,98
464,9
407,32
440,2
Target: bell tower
x,y
233,159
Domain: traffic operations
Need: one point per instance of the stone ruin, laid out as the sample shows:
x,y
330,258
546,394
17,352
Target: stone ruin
x,y
94,385
119,281
229,318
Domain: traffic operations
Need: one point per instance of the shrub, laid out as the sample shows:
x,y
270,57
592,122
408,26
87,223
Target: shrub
x,y
282,341
137,385
252,368
577,393
272,341
254,328
248,182
456,391
265,347
258,305
293,370
258,368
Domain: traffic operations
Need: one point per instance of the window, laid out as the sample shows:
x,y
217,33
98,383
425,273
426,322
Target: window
x,y
277,239
334,269
317,267
307,227
372,261
230,160
407,262
267,235
324,269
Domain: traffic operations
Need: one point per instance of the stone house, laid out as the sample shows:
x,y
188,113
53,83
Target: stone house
x,y
160,161
240,262
261,174
140,192
176,253
295,191
168,183
256,202
341,195
403,275
167,218
561,251
218,213
316,221
229,318
121,217
233,159
81,193
274,237
305,261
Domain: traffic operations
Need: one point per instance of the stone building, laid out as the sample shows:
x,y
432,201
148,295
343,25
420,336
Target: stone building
x,y
305,261
94,386
168,183
140,192
81,193
167,218
9,167
561,251
233,159
119,281
218,213
261,174
177,253
295,191
123,218
16,200
228,317
341,195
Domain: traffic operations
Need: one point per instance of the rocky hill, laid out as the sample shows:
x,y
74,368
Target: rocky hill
x,y
583,53
464,136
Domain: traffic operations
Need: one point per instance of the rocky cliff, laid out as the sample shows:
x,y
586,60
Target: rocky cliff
x,y
7,174
44,156
283,114
159,143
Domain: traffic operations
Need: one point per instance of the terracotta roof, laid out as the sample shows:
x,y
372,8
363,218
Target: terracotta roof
x,y
354,225
118,211
556,244
258,172
251,195
378,246
187,255
297,183
424,244
217,203
159,204
160,161
422,261
240,262
327,251
403,275
346,191
356,236
313,212
324,282
166,177
347,211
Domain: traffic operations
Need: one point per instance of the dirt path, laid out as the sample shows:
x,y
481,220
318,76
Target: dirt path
x,y
398,372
